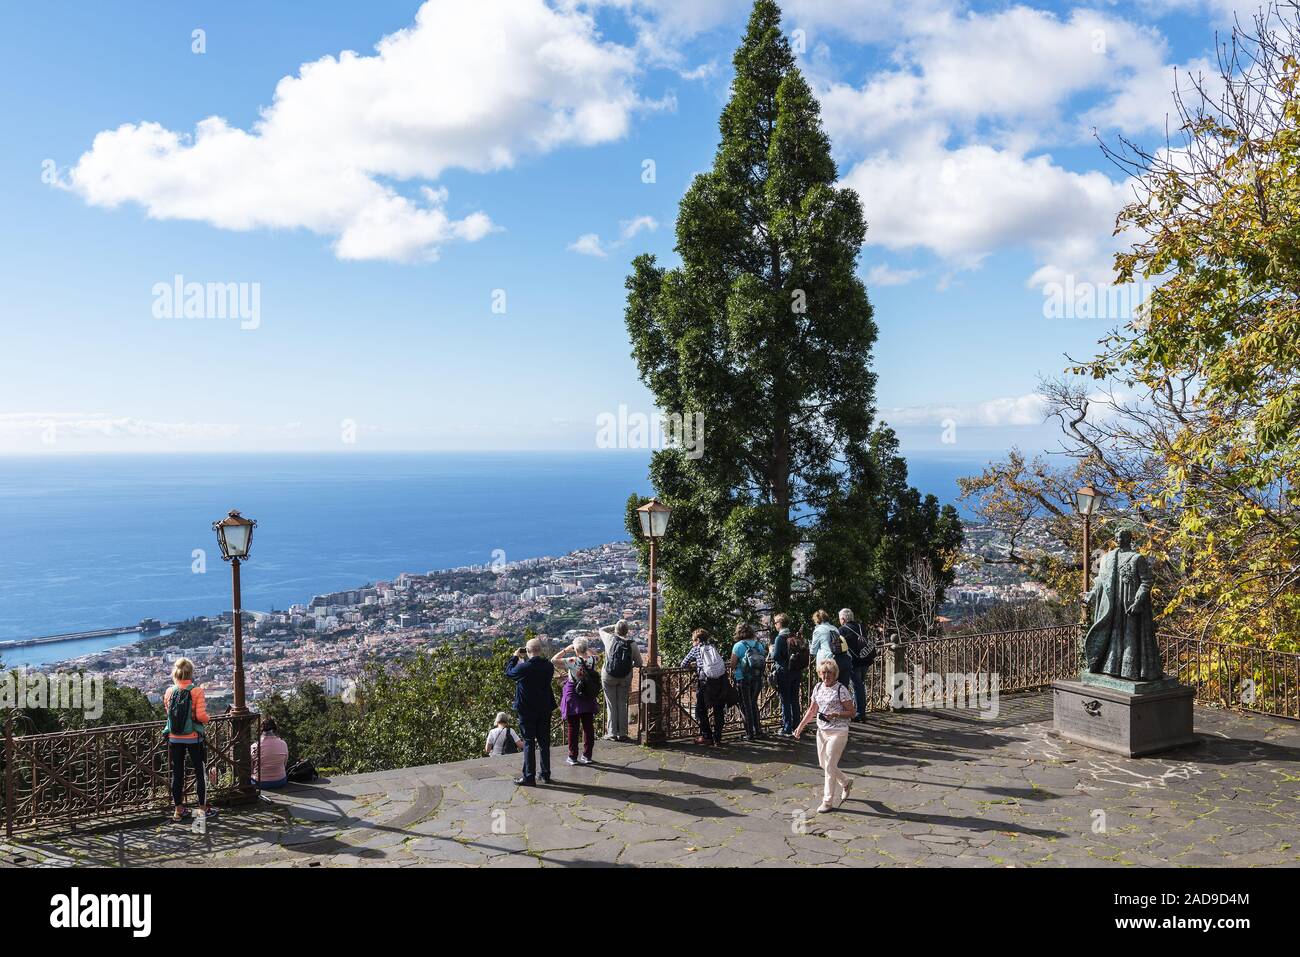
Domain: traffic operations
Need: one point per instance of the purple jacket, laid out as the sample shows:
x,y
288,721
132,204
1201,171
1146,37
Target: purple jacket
x,y
571,704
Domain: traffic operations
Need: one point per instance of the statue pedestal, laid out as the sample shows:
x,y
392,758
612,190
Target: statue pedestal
x,y
1131,718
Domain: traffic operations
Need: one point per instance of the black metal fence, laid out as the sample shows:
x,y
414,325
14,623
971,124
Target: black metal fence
x,y
97,774
1246,678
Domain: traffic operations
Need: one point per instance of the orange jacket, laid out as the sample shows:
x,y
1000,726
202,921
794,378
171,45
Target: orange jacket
x,y
198,712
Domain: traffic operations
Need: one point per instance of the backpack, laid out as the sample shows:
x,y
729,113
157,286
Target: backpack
x,y
619,662
865,652
798,648
302,771
755,659
509,746
585,682
711,665
180,718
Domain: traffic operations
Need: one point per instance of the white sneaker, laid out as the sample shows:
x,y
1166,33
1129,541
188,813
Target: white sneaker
x,y
846,790
570,761
583,759
825,806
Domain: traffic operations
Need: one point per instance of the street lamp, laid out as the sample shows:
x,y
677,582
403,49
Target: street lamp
x,y
1085,503
654,523
235,536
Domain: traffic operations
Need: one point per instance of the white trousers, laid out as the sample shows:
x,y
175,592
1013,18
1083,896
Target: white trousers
x,y
830,745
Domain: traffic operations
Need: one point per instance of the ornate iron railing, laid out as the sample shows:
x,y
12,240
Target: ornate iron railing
x,y
1022,660
1244,677
679,693
97,774
1238,676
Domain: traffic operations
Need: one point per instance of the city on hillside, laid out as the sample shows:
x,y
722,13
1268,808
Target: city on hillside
x,y
326,640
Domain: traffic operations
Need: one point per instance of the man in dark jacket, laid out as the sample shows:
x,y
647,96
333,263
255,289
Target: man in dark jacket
x,y
533,675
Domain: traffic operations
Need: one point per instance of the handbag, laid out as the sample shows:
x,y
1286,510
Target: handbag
x,y
730,693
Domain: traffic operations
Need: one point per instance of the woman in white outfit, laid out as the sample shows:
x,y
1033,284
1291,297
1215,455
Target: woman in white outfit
x,y
832,705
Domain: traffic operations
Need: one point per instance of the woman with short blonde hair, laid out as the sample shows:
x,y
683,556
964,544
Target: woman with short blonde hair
x,y
183,670
832,706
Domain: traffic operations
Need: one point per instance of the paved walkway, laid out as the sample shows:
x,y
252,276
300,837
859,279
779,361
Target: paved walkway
x,y
933,788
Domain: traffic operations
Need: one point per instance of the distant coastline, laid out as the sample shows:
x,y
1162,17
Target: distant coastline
x,y
326,522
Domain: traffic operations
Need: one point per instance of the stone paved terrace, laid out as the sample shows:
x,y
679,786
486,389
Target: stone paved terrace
x,y
936,788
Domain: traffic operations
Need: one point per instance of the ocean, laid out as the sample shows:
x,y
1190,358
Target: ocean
x,y
98,541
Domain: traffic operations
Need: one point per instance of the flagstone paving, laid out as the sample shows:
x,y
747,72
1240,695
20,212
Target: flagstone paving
x,y
933,788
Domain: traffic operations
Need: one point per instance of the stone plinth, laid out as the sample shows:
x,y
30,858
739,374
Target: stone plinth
x,y
1123,717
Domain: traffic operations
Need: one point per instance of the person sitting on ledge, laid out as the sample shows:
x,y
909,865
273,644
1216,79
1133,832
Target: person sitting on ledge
x,y
187,713
270,758
502,740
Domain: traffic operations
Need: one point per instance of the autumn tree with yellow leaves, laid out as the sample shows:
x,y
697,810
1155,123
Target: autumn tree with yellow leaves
x,y
1189,415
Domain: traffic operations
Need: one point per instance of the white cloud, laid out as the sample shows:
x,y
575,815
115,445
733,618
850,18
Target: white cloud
x,y
867,20
54,426
1146,103
630,227
966,203
883,275
468,86
588,244
1005,75
1018,410
947,144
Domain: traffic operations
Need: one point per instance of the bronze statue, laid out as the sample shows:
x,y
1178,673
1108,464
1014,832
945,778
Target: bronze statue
x,y
1121,641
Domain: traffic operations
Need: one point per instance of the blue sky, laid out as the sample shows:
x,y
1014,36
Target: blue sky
x,y
377,202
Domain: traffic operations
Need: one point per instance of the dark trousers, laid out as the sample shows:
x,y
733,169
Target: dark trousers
x,y
711,699
535,729
860,690
787,686
584,724
749,690
848,678
178,754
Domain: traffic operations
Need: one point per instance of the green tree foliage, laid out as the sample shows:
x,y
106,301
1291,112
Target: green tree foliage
x,y
310,722
120,706
767,330
429,708
1218,227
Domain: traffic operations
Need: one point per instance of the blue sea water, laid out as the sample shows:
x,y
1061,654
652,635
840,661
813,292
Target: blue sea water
x,y
96,541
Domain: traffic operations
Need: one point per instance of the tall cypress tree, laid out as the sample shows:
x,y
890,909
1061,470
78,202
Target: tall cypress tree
x,y
767,330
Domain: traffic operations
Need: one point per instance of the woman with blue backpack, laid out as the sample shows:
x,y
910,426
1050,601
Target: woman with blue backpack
x,y
749,657
187,713
621,656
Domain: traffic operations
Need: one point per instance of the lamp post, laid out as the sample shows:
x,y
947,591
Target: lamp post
x,y
654,523
235,536
1085,502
